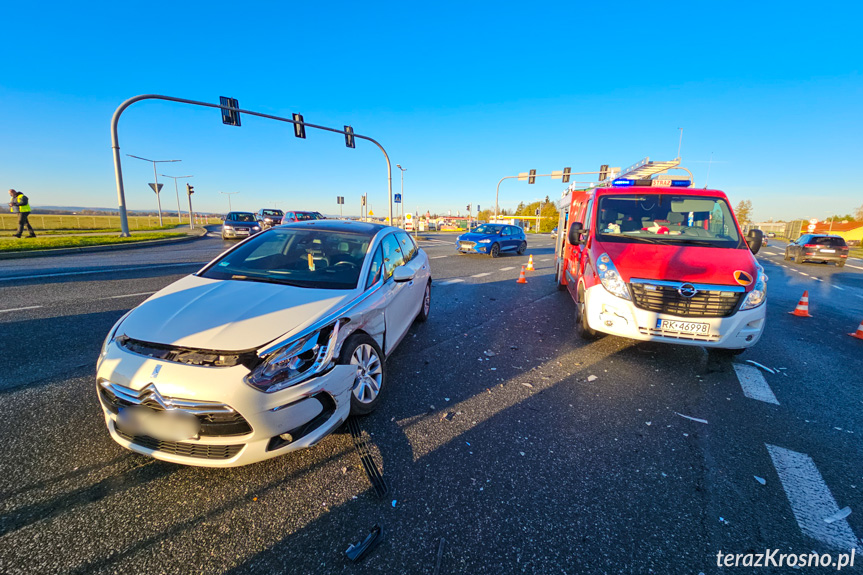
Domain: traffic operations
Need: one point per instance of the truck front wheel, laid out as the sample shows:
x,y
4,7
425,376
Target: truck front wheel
x,y
582,324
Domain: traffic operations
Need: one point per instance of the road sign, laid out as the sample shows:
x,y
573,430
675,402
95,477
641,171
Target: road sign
x,y
408,217
371,213
409,222
811,227
153,186
522,176
397,198
813,221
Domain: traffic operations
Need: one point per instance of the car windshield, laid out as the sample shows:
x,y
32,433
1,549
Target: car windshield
x,y
320,259
272,212
487,229
241,217
667,219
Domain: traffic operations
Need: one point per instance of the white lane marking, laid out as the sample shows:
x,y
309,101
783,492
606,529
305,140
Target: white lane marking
x,y
803,274
855,267
482,275
810,498
545,260
448,282
129,295
437,257
507,269
753,383
20,308
102,271
839,288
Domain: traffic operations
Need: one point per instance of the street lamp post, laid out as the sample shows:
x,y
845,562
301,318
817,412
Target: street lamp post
x,y
229,194
403,170
175,178
156,180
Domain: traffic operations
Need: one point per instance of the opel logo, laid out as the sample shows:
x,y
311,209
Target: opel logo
x,y
687,291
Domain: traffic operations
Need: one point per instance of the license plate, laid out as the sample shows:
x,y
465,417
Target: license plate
x,y
828,251
164,425
683,326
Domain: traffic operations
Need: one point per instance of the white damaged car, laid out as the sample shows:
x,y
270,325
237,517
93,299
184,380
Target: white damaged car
x,y
268,348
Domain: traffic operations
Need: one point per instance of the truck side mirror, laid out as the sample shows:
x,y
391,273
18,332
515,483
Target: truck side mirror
x,y
574,235
754,239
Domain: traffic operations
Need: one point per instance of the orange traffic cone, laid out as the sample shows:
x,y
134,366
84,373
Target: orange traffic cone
x,y
859,333
521,278
530,263
802,309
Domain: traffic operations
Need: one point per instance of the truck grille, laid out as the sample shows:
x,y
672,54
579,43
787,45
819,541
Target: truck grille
x,y
183,449
663,297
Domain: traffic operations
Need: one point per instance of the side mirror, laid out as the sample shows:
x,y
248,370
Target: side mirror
x,y
403,274
574,236
754,239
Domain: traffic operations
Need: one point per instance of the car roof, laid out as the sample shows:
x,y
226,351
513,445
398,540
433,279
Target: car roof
x,y
341,226
241,213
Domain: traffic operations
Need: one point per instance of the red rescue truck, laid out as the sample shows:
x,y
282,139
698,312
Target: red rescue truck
x,y
647,257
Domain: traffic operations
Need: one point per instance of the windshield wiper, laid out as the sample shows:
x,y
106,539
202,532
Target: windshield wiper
x,y
266,280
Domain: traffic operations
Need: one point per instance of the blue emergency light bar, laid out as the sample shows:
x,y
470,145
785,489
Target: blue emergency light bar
x,y
622,182
681,183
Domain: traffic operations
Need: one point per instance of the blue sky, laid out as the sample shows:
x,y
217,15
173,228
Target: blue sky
x,y
461,94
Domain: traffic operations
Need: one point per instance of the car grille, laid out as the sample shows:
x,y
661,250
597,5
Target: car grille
x,y
217,419
663,297
182,449
466,245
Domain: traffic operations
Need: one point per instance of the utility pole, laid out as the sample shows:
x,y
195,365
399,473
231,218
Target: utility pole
x,y
403,170
229,194
175,178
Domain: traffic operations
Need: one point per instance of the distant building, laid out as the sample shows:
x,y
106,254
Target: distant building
x,y
851,231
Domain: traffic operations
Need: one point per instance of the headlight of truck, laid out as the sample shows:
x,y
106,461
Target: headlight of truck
x,y
610,278
297,360
758,295
485,241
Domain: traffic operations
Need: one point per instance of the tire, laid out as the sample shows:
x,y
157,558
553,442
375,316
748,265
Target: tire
x,y
522,247
787,257
495,250
558,277
582,324
223,237
360,349
426,305
840,264
797,259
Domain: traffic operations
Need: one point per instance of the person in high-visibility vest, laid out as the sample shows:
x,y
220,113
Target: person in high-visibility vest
x,y
21,205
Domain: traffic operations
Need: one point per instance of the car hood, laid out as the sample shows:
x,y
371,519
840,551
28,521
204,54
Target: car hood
x,y
694,264
472,237
228,315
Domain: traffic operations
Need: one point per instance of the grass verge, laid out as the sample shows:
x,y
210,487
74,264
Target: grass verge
x,y
12,244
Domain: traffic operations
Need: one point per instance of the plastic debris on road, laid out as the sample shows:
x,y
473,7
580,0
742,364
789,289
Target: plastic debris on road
x,y
592,378
394,502
839,515
489,353
356,551
760,480
764,367
690,417
439,556
526,384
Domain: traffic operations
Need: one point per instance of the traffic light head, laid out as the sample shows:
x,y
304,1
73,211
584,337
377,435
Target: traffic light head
x,y
299,128
532,177
190,189
566,173
349,137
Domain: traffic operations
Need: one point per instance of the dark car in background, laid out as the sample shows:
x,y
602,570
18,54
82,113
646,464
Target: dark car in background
x,y
492,239
818,248
240,225
301,217
268,218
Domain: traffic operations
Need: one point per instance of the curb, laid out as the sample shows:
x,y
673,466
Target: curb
x,y
91,249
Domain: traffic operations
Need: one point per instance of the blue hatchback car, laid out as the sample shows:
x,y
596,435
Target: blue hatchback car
x,y
492,239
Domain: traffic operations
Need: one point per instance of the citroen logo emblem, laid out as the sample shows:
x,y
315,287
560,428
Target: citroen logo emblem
x,y
150,392
687,291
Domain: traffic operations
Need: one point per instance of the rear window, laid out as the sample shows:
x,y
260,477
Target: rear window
x,y
828,241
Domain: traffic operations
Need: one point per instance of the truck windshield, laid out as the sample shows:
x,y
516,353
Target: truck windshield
x,y
667,219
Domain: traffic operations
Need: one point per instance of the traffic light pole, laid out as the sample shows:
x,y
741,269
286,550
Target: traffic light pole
x,y
497,193
115,145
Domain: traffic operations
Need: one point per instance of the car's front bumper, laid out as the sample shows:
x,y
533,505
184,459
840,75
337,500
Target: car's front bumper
x,y
613,315
309,410
232,233
472,247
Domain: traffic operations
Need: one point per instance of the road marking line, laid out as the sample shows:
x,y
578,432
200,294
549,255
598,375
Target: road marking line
x,y
839,288
437,257
451,281
855,267
810,498
482,275
507,269
545,260
129,295
803,274
753,383
20,308
102,271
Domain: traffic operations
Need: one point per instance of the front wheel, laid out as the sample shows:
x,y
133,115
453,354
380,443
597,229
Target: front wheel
x,y
582,324
558,277
787,257
495,250
426,305
840,264
522,247
362,351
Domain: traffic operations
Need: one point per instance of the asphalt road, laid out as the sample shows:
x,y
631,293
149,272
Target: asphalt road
x,y
545,455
